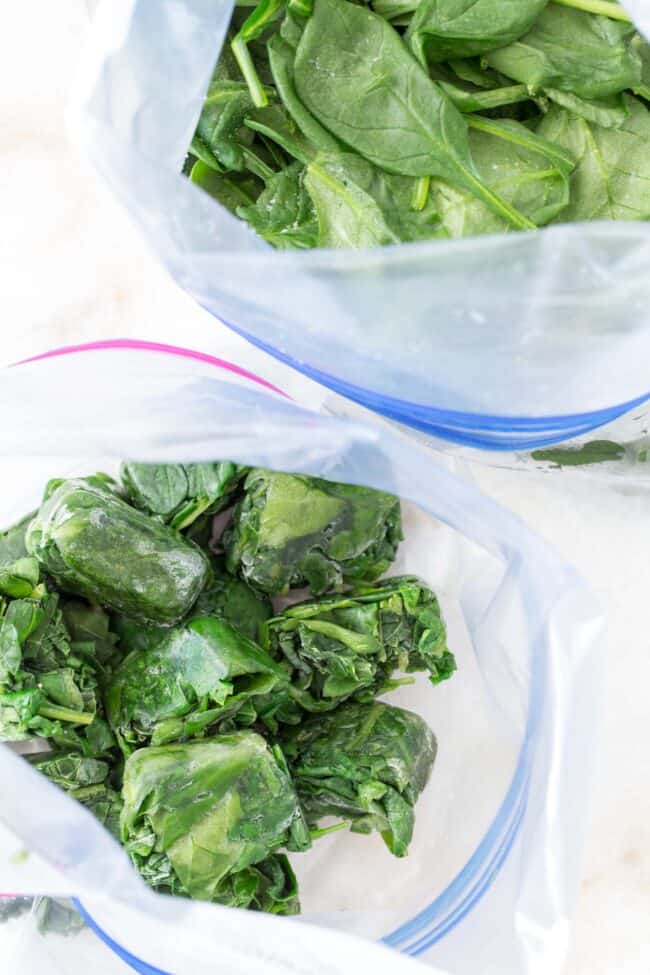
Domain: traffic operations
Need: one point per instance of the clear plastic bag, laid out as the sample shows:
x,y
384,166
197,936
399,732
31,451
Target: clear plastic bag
x,y
490,879
506,342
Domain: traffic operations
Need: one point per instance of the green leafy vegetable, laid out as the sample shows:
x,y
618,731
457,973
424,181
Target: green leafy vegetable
x,y
96,545
48,684
151,673
231,599
292,530
232,190
339,124
587,55
196,815
180,493
284,213
81,776
594,452
531,171
365,763
19,572
351,645
612,175
444,29
355,75
196,677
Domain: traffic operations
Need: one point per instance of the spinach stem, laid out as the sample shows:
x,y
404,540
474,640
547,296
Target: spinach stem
x,y
604,7
303,8
489,99
258,167
65,714
326,830
420,193
245,62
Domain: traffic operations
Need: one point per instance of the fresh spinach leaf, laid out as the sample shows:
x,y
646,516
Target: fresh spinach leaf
x,y
354,73
533,173
611,180
568,50
444,29
284,213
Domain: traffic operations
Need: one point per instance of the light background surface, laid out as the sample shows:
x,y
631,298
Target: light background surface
x,y
72,269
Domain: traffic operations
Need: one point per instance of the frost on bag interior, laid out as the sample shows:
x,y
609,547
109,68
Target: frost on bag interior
x,y
493,856
437,326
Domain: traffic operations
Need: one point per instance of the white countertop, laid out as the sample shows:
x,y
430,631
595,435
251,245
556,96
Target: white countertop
x,y
72,269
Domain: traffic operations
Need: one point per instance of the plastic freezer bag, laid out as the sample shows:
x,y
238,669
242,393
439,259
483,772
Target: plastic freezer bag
x,y
491,875
492,341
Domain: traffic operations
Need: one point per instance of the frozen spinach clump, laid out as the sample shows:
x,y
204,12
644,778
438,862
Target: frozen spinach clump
x,y
333,123
232,798
49,684
364,763
198,676
180,493
140,646
93,543
351,646
290,530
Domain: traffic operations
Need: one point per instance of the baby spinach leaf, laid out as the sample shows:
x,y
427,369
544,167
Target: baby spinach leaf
x,y
365,763
220,130
467,100
195,677
264,13
282,59
587,55
611,180
444,29
354,73
284,213
229,190
293,530
230,797
532,174
347,215
609,112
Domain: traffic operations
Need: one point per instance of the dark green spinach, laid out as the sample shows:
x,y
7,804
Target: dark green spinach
x,y
290,530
